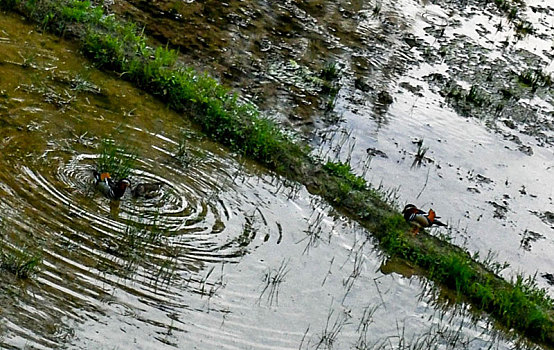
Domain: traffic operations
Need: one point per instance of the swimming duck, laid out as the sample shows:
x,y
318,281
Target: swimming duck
x,y
147,190
109,188
420,219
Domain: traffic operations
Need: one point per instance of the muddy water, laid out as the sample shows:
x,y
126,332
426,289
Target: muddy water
x,y
488,168
227,256
488,172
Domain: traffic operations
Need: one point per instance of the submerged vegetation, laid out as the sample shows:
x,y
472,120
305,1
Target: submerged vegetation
x,y
122,48
21,263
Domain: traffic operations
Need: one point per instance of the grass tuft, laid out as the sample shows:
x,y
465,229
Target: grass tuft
x,y
117,160
344,172
20,263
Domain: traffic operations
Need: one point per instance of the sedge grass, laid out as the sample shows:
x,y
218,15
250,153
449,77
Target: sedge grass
x,y
117,160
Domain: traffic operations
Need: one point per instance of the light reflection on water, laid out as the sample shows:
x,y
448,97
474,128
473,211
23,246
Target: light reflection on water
x,y
226,257
487,175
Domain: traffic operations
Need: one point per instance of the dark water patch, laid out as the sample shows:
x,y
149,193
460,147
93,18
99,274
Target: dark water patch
x,y
528,238
549,277
547,217
500,210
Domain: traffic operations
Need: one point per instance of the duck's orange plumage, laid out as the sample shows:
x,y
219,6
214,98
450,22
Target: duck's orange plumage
x,y
431,216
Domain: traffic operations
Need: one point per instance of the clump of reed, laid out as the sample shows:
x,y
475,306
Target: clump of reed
x,y
117,160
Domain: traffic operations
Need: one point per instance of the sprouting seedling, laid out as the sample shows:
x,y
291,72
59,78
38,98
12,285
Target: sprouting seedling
x,y
376,10
420,153
363,326
331,332
313,232
273,279
20,262
356,270
165,272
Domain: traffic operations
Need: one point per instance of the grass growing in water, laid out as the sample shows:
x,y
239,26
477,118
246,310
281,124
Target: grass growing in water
x,y
519,304
20,263
119,161
122,48
535,78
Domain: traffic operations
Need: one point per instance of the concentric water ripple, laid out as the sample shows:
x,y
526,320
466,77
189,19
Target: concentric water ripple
x,y
93,248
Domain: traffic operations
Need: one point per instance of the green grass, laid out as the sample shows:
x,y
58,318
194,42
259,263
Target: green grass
x,y
20,263
329,76
122,48
518,304
118,160
475,95
512,10
535,78
344,172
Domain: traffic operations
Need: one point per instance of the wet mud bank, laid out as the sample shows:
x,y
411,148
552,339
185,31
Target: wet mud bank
x,y
240,127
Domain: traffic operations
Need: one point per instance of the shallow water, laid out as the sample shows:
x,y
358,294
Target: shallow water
x,y
487,174
488,168
228,256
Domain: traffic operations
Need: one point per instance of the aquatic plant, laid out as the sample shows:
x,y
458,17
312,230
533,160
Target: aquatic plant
x,y
511,9
330,333
272,280
330,72
535,78
420,153
376,10
463,99
524,28
118,160
329,75
20,263
476,95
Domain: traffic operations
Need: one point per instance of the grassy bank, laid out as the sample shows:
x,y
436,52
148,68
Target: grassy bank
x,y
121,48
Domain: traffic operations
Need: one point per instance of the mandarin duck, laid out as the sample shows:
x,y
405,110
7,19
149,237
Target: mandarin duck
x,y
108,187
420,219
147,190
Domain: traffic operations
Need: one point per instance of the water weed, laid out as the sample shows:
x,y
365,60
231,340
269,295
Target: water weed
x,y
272,280
116,160
21,263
